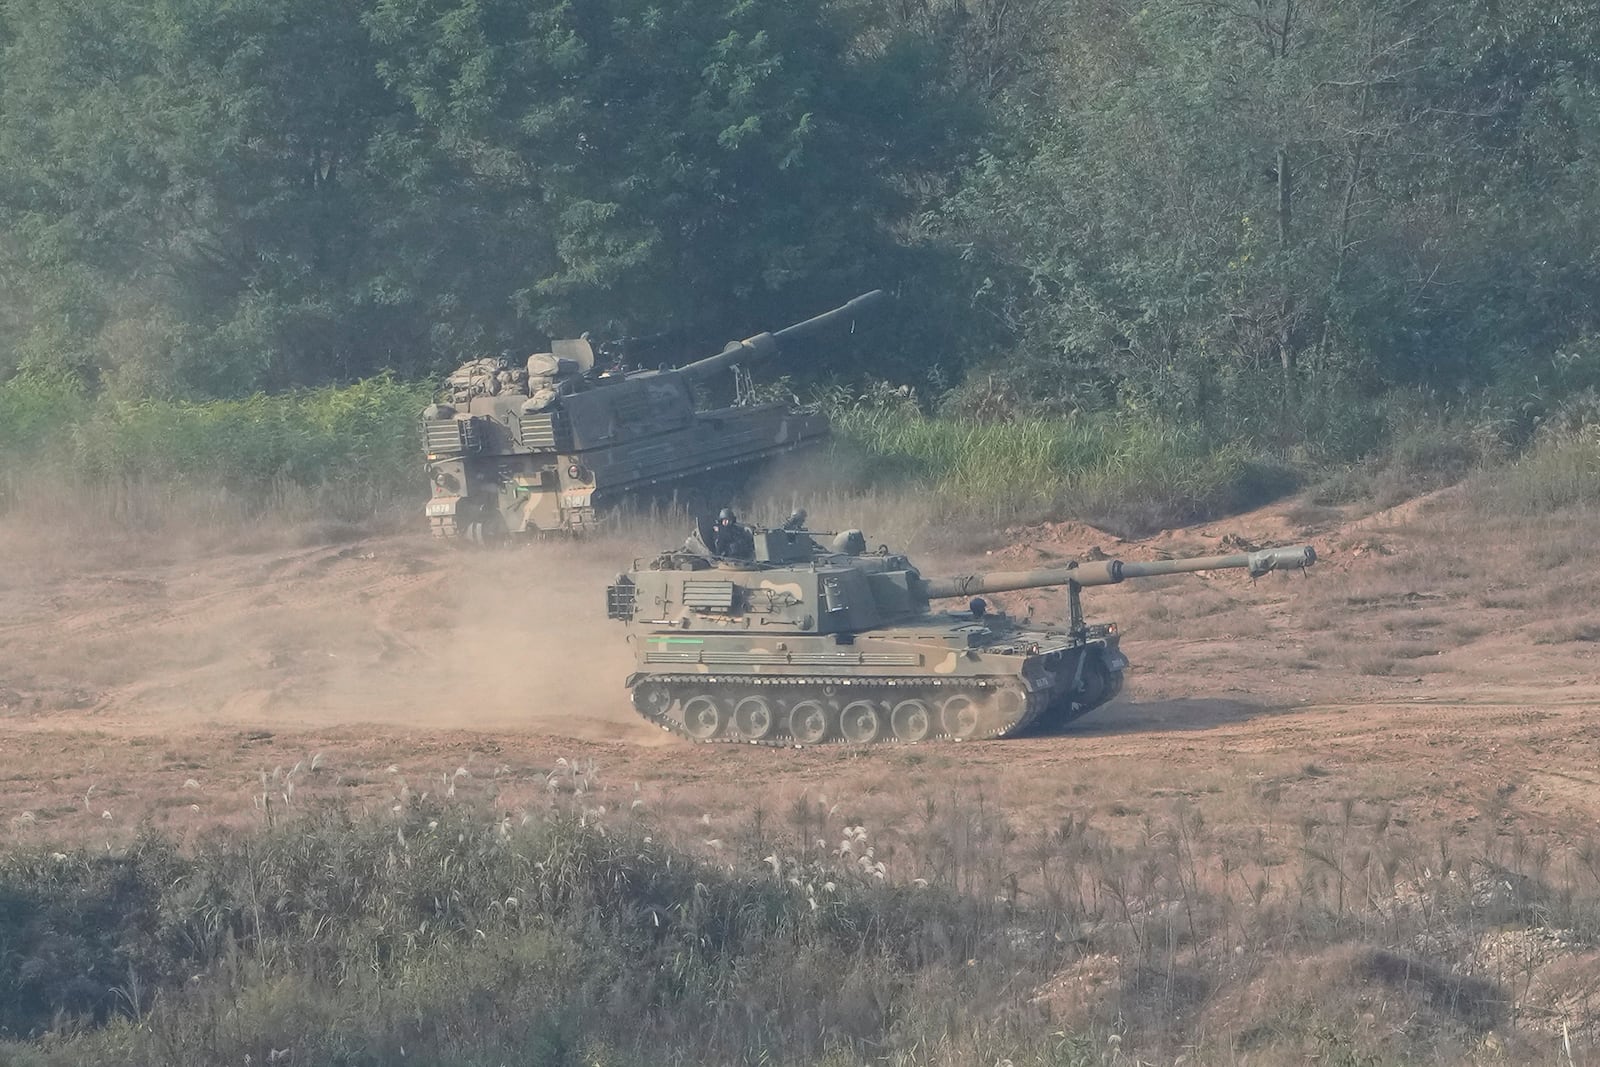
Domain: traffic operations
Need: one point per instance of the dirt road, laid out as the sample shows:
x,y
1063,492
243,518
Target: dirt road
x,y
196,692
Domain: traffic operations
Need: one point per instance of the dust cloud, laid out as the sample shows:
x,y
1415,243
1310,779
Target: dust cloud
x,y
392,631
499,639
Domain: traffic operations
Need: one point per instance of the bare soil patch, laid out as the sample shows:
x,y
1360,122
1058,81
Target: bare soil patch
x,y
1407,662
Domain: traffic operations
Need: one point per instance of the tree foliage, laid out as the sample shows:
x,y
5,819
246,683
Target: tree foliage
x,y
1232,212
211,196
1223,195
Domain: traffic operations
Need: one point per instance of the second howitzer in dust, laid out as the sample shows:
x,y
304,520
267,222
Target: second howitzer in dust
x,y
812,639
542,447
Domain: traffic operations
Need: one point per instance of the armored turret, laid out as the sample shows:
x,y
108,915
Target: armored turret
x,y
811,638
543,446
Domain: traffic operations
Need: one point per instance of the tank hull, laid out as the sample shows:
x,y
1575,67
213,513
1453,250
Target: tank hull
x,y
952,679
514,490
540,447
789,636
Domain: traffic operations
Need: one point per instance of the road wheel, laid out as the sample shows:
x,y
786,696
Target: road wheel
x,y
1009,705
702,718
1094,686
861,722
754,718
809,722
959,715
912,720
651,700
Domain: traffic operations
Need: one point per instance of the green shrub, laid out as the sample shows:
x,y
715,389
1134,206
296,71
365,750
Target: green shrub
x,y
346,452
1132,474
80,934
363,436
34,412
453,932
349,450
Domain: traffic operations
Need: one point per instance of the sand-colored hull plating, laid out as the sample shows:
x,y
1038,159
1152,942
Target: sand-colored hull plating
x,y
545,448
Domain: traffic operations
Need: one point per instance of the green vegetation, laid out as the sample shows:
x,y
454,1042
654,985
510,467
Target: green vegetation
x,y
1259,219
213,199
450,936
1151,262
364,436
1219,241
344,453
349,451
341,453
1131,474
1562,471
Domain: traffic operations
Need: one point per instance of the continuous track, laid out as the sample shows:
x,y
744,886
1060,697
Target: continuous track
x,y
804,711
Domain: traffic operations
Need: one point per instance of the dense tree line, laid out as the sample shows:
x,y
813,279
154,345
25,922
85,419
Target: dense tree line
x,y
1211,207
1199,197
230,194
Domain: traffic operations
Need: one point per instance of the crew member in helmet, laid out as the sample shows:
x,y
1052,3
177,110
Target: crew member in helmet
x,y
731,540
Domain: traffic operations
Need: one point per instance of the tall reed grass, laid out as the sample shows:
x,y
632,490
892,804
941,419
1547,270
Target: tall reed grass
x,y
1560,472
1127,472
346,453
335,453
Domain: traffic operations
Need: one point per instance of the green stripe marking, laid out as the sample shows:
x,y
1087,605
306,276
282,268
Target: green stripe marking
x,y
677,640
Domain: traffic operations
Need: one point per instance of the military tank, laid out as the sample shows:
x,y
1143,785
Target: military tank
x,y
805,638
543,447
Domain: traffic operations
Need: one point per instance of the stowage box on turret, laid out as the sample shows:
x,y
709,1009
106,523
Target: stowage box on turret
x,y
813,639
516,450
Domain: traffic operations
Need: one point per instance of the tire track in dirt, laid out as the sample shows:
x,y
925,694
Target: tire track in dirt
x,y
1488,741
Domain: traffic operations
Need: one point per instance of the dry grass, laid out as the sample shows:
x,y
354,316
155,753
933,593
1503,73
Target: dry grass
x,y
1465,632
1377,664
1413,621
1577,630
1414,649
1288,931
1505,601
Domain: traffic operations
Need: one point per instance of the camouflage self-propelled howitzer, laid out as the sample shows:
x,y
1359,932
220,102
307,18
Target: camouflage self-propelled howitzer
x,y
812,639
524,450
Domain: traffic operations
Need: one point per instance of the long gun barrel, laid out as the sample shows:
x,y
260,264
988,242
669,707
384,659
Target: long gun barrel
x,y
767,344
1112,571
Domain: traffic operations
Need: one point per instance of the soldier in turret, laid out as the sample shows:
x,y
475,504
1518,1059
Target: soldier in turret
x,y
731,540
